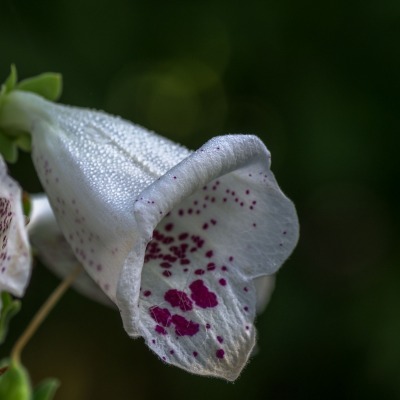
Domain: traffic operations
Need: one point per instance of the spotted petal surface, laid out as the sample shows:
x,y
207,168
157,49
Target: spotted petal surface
x,y
15,258
54,251
174,238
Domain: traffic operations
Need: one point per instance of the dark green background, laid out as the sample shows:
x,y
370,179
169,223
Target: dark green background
x,y
319,83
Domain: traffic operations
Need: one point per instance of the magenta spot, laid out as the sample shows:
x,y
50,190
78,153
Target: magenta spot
x,y
167,273
220,353
159,329
183,236
205,226
169,227
161,315
247,191
199,272
222,282
146,293
210,267
224,268
165,265
220,339
171,352
230,258
195,354
213,221
246,308
180,212
208,326
202,296
183,327
245,289
178,299
209,253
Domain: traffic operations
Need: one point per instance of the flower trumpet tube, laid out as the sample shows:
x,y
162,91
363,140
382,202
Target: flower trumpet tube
x,y
174,238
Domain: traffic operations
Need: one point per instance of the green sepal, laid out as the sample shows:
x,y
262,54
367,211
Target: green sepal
x,y
9,308
26,204
11,142
24,142
46,389
8,148
10,82
14,382
47,85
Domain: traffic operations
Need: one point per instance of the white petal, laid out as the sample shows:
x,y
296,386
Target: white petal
x,y
15,258
265,285
225,208
54,251
112,184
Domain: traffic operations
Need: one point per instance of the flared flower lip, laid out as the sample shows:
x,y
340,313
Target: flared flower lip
x,y
228,155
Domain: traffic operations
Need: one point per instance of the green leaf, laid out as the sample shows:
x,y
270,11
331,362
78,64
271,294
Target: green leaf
x,y
10,307
46,389
8,148
14,382
47,85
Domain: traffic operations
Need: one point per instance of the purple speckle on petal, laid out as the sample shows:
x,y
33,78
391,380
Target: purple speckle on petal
x,y
159,329
202,296
183,327
161,315
220,353
179,299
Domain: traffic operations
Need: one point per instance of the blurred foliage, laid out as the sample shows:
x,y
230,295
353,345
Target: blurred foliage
x,y
319,83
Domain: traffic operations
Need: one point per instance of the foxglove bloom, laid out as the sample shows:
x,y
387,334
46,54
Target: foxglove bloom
x,y
15,257
174,238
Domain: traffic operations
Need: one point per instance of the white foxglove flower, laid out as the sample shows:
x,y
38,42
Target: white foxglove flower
x,y
174,238
15,257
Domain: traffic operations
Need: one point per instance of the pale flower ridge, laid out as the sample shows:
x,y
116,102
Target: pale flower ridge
x,y
174,238
15,256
